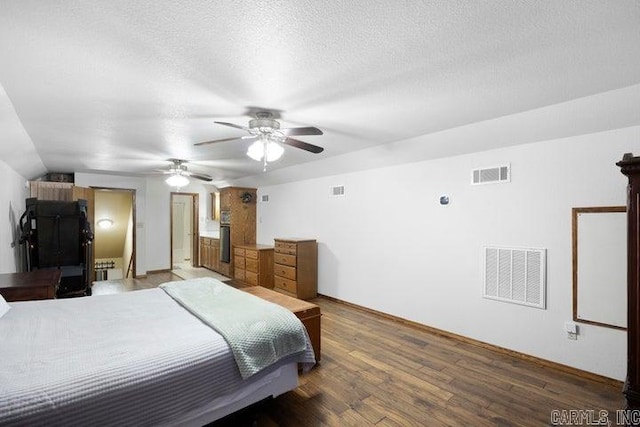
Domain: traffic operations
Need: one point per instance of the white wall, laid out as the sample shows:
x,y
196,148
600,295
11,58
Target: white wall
x,y
153,229
12,196
390,246
158,221
208,226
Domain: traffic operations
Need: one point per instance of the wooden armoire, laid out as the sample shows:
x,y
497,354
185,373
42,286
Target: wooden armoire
x,y
630,166
238,217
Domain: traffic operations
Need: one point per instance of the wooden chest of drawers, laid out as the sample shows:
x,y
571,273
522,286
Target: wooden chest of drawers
x,y
295,267
253,264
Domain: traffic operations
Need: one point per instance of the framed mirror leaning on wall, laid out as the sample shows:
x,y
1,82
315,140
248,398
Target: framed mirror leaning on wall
x,y
599,245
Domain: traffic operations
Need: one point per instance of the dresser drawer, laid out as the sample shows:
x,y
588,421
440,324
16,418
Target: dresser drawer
x,y
284,271
239,273
285,259
239,262
238,251
251,264
251,278
250,253
285,248
26,294
285,284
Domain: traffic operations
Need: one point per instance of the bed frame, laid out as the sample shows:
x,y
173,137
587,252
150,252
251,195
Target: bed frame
x,y
273,385
180,369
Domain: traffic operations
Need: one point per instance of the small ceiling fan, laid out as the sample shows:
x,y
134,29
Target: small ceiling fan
x,y
179,175
268,136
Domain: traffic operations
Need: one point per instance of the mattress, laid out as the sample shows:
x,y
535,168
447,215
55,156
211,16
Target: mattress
x,y
136,358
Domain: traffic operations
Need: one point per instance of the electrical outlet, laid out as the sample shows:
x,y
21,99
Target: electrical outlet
x,y
572,330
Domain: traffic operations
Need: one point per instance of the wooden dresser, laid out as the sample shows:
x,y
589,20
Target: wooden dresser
x,y
31,285
308,313
253,264
295,267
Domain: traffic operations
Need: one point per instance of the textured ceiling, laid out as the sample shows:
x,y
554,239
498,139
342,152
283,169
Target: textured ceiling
x,y
120,86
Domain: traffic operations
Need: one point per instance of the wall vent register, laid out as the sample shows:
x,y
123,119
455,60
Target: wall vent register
x,y
515,275
498,174
337,191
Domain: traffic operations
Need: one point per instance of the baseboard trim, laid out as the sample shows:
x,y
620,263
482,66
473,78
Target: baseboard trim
x,y
164,270
440,332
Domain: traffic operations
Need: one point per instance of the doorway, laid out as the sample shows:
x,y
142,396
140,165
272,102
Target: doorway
x,y
184,230
114,234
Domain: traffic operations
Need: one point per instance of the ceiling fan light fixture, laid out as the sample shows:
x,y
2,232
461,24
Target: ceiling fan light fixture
x,y
256,150
265,129
274,151
177,181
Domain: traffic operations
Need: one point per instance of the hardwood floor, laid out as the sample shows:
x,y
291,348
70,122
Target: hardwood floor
x,y
126,285
376,371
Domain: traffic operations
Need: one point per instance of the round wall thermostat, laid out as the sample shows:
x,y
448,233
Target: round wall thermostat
x,y
444,200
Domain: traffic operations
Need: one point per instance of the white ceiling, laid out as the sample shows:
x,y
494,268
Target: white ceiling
x,y
120,86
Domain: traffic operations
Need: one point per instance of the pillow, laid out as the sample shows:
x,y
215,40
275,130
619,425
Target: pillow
x,y
4,307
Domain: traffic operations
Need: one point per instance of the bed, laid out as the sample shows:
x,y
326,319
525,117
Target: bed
x,y
137,358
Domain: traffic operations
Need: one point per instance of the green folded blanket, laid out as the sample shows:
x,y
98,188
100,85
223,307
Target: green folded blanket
x,y
259,332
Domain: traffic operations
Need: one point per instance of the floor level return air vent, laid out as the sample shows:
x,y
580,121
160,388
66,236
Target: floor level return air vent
x,y
515,275
493,175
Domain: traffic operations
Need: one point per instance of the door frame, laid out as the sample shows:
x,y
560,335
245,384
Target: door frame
x,y
195,227
134,257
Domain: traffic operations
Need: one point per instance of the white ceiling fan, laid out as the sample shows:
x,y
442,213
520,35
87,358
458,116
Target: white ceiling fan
x,y
179,174
268,136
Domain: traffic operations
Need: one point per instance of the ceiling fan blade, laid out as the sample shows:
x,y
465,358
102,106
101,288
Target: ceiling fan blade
x,y
309,130
200,176
239,138
233,125
303,145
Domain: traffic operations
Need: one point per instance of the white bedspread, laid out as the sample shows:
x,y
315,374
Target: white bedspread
x,y
128,359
